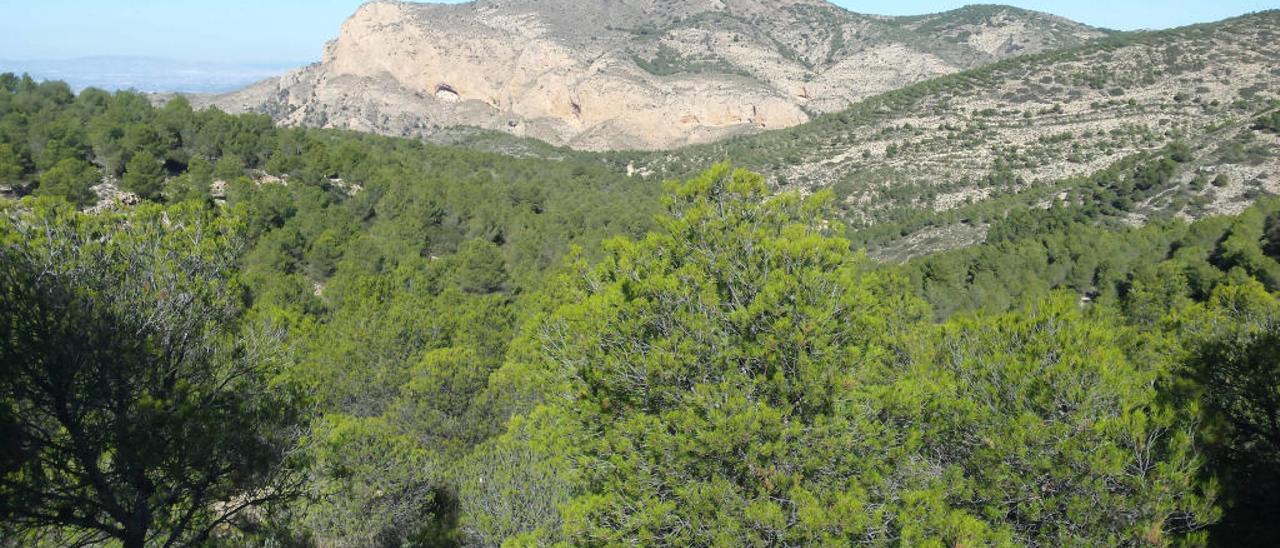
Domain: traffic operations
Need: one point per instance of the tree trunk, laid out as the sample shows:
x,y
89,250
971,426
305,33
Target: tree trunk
x,y
134,538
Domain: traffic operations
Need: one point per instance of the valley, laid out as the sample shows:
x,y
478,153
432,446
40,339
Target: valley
x,y
654,273
920,153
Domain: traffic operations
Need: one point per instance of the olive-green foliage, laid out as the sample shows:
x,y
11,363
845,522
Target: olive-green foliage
x,y
70,179
44,125
402,292
1240,248
144,175
480,267
196,184
1269,122
10,165
229,167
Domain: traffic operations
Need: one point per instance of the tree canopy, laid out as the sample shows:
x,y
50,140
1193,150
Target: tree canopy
x,y
311,337
137,403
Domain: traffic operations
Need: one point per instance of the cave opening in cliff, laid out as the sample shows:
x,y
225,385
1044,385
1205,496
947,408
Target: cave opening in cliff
x,y
445,92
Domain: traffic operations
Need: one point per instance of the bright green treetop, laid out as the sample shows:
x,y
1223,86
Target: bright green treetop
x,y
741,377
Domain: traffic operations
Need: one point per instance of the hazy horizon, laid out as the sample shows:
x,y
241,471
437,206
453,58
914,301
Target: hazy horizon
x,y
146,74
293,32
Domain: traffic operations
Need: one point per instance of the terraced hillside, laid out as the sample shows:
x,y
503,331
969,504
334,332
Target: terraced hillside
x,y
932,160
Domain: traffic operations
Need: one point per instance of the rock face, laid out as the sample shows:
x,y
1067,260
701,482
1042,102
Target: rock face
x,y
629,74
1034,125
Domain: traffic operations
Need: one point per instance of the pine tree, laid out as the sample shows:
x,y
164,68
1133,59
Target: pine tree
x,y
144,175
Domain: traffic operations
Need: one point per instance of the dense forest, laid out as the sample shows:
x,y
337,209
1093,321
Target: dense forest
x,y
305,337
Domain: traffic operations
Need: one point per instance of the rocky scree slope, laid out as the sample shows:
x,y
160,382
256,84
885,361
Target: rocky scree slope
x,y
629,74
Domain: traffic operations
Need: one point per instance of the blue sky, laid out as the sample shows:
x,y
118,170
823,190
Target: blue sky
x,y
294,31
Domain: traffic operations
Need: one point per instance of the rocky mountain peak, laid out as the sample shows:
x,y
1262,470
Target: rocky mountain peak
x,y
617,74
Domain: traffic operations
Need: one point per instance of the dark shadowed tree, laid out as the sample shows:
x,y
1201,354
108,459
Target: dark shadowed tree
x,y
1233,354
135,403
10,165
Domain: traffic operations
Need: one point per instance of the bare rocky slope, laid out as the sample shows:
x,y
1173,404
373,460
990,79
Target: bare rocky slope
x,y
629,74
933,158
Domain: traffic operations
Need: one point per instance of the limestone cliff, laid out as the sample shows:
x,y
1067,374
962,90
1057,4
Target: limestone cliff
x,y
619,74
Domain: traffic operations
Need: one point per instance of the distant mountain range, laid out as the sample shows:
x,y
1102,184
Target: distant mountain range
x,y
146,73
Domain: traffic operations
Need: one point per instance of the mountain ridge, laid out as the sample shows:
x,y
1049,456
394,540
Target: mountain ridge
x,y
1025,125
633,74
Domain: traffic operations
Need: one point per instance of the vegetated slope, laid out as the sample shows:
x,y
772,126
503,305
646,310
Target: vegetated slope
x,y
104,152
1153,274
739,374
1037,123
629,74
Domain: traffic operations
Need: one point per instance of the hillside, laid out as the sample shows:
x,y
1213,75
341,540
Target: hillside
x,y
1035,126
629,74
271,336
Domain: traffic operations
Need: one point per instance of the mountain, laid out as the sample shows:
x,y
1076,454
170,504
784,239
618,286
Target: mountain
x,y
630,74
319,337
145,73
931,159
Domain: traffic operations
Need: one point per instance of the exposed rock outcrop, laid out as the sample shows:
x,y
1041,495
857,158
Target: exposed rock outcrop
x,y
617,74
